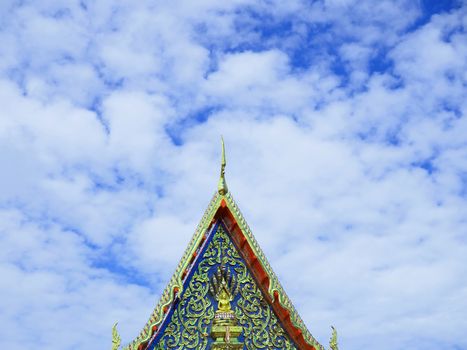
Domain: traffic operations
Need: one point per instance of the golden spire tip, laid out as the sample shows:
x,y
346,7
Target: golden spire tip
x,y
222,185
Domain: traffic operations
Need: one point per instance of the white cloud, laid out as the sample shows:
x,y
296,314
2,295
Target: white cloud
x,y
362,182
50,287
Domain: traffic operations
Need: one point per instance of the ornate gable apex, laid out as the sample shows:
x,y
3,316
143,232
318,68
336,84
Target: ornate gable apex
x,y
223,209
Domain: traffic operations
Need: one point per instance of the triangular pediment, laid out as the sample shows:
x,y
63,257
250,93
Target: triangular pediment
x,y
184,317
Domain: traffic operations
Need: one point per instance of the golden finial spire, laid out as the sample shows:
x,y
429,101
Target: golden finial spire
x,y
222,185
115,338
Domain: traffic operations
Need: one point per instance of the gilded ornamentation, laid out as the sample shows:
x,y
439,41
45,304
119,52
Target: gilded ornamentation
x,y
222,281
192,317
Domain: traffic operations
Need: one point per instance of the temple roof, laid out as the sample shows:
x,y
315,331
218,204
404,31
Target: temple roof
x,y
223,209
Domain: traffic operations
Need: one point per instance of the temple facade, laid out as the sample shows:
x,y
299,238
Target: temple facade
x,y
224,294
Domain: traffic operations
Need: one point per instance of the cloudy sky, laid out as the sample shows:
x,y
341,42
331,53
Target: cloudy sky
x,y
345,123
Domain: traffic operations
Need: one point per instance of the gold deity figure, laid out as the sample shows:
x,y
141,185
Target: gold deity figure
x,y
225,329
224,300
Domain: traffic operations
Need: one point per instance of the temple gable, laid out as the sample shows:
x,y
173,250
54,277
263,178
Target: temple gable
x,y
224,294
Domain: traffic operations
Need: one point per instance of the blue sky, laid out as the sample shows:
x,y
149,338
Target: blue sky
x,y
345,124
